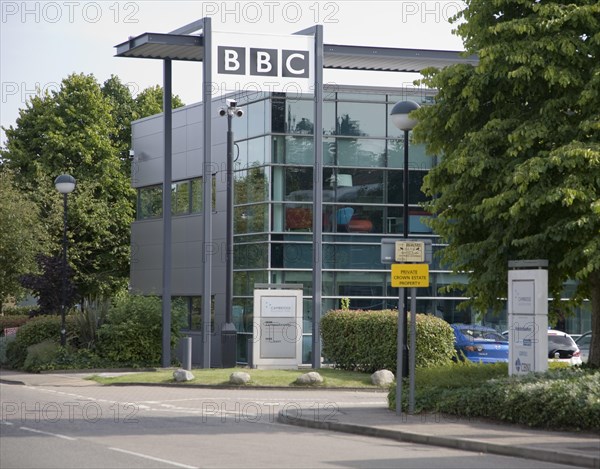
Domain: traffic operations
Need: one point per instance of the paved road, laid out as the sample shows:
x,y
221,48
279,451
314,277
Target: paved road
x,y
90,426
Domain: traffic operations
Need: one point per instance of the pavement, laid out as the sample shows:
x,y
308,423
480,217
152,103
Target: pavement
x,y
570,448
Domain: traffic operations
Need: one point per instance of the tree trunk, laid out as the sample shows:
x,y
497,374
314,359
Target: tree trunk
x,y
594,358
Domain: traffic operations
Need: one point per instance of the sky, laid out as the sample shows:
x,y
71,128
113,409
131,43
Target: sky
x,y
43,42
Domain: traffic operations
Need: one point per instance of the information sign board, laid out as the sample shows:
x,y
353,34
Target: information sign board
x,y
410,275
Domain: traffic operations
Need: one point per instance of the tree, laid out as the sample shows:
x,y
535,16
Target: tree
x,y
150,102
69,131
48,284
520,137
22,235
124,112
83,129
126,109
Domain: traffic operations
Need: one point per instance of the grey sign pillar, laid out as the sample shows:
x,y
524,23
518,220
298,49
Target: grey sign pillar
x,y
527,316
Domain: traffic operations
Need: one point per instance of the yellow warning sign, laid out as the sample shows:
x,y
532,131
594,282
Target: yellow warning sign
x,y
410,275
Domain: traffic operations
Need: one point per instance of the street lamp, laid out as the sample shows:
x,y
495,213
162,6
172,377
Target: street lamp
x,y
229,333
65,184
400,118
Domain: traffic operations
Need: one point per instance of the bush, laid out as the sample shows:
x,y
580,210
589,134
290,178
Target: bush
x,y
33,332
19,310
132,333
12,321
4,341
366,340
562,398
39,356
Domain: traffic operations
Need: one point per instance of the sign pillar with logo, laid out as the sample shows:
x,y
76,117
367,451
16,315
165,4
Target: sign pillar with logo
x,y
410,259
277,328
527,316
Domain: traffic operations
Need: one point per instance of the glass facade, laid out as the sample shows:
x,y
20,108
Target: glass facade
x,y
362,188
362,202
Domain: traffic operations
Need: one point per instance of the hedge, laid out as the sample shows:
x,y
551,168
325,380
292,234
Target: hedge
x,y
20,310
131,335
562,398
366,340
12,321
132,332
34,331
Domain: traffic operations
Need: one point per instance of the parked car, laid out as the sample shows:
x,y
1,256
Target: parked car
x,y
562,348
480,344
583,342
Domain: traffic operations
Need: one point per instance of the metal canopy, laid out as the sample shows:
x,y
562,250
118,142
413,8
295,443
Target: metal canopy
x,y
191,48
163,46
390,59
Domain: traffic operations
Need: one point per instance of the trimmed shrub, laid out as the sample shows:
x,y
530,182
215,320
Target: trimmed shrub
x,y
562,398
19,310
435,341
12,321
33,332
132,333
366,340
39,356
4,341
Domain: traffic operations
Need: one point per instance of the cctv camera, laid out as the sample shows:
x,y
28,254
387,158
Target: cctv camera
x,y
222,112
239,112
232,102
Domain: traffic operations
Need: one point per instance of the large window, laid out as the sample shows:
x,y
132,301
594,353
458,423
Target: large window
x,y
293,150
186,198
361,119
149,202
180,198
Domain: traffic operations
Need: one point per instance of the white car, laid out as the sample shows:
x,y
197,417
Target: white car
x,y
583,342
562,348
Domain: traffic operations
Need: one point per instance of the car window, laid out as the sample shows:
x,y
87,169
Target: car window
x,y
476,334
584,340
558,341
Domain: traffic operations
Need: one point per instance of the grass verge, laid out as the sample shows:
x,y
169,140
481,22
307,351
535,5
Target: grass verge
x,y
220,377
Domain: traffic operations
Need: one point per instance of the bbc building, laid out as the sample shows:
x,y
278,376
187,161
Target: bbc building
x,y
363,202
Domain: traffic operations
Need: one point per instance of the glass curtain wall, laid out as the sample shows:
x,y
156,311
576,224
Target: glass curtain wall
x,y
362,202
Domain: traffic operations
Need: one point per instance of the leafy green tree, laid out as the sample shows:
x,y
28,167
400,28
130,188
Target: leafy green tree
x,y
69,131
123,105
150,102
22,235
520,139
126,109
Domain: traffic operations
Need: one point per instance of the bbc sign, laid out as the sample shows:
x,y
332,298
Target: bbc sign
x,y
263,62
244,62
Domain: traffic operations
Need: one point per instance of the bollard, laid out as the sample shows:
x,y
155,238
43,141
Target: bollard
x,y
187,353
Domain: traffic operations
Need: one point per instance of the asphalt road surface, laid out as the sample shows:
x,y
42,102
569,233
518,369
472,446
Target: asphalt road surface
x,y
133,427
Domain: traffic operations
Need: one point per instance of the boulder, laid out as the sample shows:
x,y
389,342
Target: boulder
x,y
382,378
182,375
309,378
239,377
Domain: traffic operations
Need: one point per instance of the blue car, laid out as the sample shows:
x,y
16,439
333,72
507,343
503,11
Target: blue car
x,y
480,344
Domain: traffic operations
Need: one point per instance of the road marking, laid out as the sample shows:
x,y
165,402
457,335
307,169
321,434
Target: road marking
x,y
58,435
166,461
4,422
